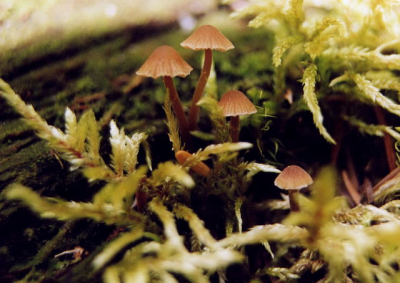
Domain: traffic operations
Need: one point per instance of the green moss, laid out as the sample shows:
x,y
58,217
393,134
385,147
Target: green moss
x,y
227,200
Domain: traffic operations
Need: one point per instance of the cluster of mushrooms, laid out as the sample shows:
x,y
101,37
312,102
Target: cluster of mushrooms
x,y
166,62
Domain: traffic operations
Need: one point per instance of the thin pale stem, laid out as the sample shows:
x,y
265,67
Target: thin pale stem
x,y
201,84
234,128
293,201
177,107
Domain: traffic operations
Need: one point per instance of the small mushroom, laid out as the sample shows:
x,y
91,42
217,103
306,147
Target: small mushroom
x,y
205,38
200,167
293,178
166,62
234,103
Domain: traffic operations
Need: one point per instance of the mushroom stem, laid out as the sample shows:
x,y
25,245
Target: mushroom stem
x,y
177,107
293,201
234,128
201,84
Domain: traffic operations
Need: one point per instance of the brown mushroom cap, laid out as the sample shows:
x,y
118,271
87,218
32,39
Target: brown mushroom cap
x,y
207,37
293,178
235,103
200,167
164,61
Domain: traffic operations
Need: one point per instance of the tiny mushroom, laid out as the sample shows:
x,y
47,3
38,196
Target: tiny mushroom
x,y
205,38
293,178
234,103
199,167
166,62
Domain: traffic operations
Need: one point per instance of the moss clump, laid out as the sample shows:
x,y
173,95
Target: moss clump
x,y
168,223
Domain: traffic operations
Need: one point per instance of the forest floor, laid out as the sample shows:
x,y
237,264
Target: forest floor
x,y
101,76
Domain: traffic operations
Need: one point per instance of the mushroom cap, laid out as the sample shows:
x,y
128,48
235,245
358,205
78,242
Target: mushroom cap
x,y
199,167
293,177
207,37
235,103
164,61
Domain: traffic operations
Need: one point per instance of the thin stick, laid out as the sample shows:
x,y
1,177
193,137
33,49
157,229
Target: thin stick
x,y
387,141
